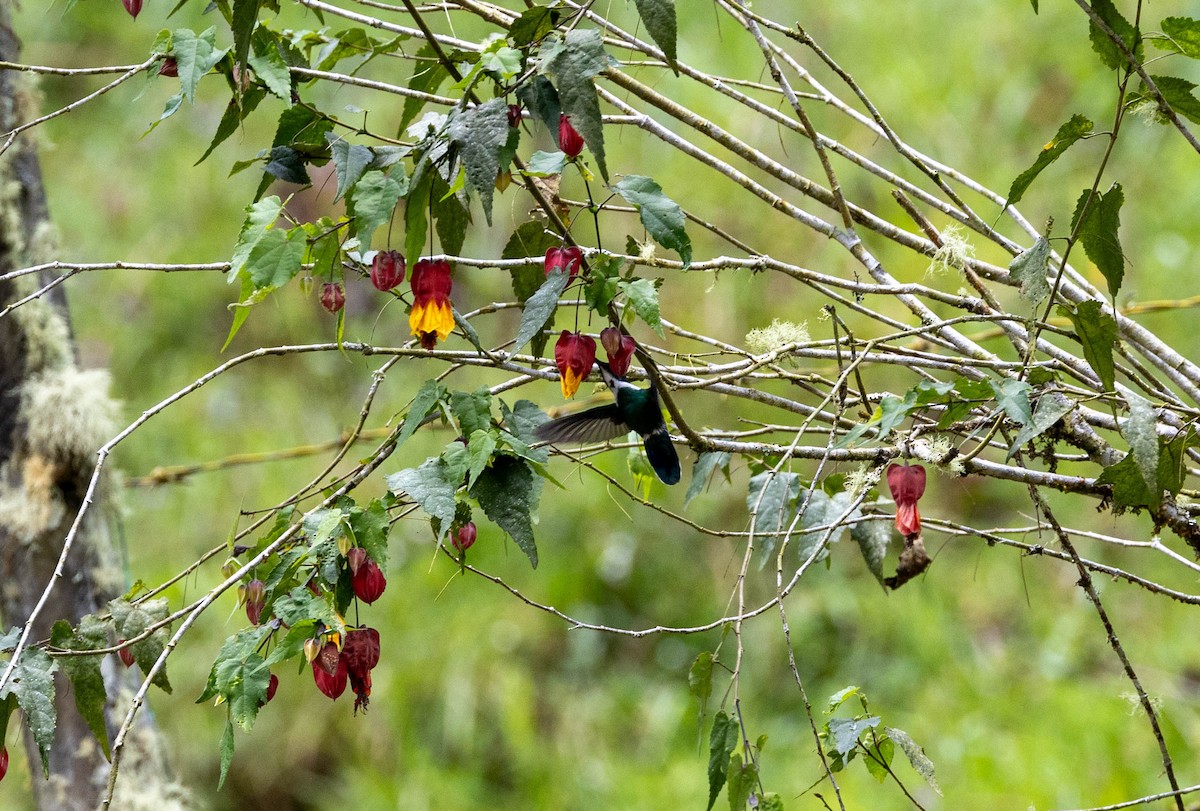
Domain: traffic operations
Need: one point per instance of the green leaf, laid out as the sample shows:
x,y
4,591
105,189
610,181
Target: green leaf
x,y
235,113
451,217
820,510
1140,430
33,684
743,779
508,494
572,63
275,258
771,501
663,218
844,732
130,621
350,161
1108,51
1177,93
842,696
1172,461
226,753
643,296
546,164
1034,3
1128,486
523,420
1182,36
877,764
915,754
529,240
431,486
195,56
370,528
416,223
87,683
1077,127
702,471
373,200
1097,229
1029,268
721,741
245,16
540,307
428,74
533,24
1051,407
422,406
480,133
872,538
269,65
1013,398
700,678
659,17
472,410
541,98
1097,333
287,164
479,449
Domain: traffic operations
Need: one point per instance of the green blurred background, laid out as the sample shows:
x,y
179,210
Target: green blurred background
x,y
994,663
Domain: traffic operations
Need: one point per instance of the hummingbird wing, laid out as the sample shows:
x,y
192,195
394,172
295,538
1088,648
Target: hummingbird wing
x,y
593,425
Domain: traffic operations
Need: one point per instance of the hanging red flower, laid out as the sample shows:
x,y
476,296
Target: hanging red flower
x,y
169,67
359,655
366,578
907,483
432,317
574,355
515,114
256,599
619,348
567,259
134,7
569,139
333,297
464,537
387,270
329,671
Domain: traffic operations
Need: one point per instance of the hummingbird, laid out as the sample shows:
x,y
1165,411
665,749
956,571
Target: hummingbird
x,y
635,410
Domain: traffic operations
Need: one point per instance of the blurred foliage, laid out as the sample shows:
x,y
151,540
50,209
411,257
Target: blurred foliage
x,y
993,662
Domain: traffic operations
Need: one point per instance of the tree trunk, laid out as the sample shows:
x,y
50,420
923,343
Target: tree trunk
x,y
54,416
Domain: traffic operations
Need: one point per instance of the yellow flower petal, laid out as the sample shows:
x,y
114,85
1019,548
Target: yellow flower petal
x,y
432,317
570,383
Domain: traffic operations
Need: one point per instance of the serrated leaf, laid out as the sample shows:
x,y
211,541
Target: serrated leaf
x,y
370,527
659,18
245,16
428,74
523,420
1077,127
643,297
1097,229
275,258
771,501
1029,268
915,754
269,65
373,200
473,410
451,217
1128,486
416,223
1177,93
431,486
1051,407
481,132
540,307
844,732
546,164
541,98
721,741
702,471
1140,430
820,510
132,620
872,538
33,684
877,764
508,494
700,678
1097,333
572,63
1182,36
533,24
1108,51
87,682
195,56
1013,398
663,218
422,406
743,779
349,161
235,113
226,749
480,448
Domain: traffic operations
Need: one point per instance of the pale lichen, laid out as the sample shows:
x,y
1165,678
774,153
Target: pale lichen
x,y
953,254
779,334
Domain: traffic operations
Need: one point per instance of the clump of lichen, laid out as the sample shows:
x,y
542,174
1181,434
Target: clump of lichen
x,y
779,334
953,254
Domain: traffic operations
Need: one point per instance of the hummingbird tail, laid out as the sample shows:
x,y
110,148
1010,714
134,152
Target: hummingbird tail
x,y
662,456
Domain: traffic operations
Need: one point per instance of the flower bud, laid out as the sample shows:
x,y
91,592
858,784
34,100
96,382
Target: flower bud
x,y
355,559
345,545
256,598
387,270
333,297
306,285
464,538
169,67
569,140
907,483
125,654
619,348
329,671
368,582
567,259
134,7
229,567
312,647
514,115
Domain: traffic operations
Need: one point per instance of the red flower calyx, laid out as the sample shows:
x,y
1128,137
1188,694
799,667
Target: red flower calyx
x,y
515,113
567,259
134,7
569,139
329,671
574,355
619,348
387,270
272,686
366,578
169,67
125,654
907,483
256,598
432,317
333,297
464,538
359,656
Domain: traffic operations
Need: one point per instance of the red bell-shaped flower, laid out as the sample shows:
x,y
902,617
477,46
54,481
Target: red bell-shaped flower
x,y
574,355
366,578
387,270
3,761
333,297
567,259
134,7
514,115
329,671
619,348
907,483
359,655
464,538
569,139
256,599
272,686
125,654
432,317
169,67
